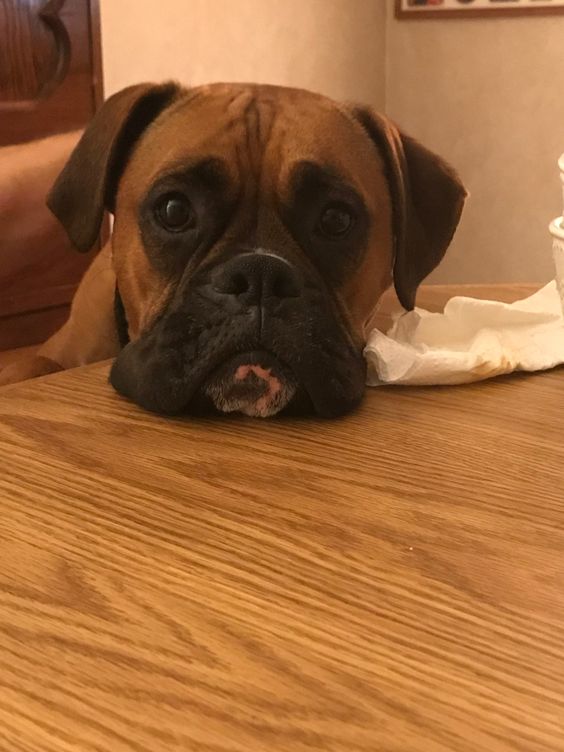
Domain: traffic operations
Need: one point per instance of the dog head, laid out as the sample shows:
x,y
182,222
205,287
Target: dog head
x,y
255,229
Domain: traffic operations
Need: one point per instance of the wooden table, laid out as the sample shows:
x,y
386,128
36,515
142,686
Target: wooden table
x,y
389,582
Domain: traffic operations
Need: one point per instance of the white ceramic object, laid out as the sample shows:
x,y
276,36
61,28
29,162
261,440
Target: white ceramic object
x,y
557,231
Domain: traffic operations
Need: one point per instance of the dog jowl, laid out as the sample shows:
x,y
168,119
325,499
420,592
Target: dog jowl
x,y
255,229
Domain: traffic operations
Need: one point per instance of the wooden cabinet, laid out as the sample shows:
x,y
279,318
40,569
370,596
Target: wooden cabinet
x,y
50,82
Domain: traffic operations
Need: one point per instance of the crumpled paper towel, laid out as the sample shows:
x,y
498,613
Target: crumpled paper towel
x,y
471,340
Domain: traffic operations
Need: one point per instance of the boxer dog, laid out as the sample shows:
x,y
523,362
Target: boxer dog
x,y
255,229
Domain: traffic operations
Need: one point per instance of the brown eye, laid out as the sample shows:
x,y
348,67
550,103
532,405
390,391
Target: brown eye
x,y
175,213
335,221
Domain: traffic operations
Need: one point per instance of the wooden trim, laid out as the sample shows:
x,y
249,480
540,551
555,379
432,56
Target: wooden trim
x,y
475,13
97,83
48,14
96,52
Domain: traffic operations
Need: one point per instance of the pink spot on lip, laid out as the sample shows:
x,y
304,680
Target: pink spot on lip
x,y
273,383
243,371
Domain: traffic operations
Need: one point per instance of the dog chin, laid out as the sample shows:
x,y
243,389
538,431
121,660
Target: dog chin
x,y
254,384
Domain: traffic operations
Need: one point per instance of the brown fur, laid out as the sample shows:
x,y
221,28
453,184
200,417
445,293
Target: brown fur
x,y
413,198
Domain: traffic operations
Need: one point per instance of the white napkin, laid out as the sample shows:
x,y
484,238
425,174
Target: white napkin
x,y
471,340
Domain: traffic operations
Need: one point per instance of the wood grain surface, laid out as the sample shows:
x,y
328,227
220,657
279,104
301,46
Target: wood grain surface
x,y
389,582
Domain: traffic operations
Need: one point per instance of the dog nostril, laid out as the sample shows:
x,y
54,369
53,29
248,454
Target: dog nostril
x,y
232,284
239,284
255,277
285,285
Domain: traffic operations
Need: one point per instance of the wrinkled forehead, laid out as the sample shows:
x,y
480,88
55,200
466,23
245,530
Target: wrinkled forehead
x,y
257,130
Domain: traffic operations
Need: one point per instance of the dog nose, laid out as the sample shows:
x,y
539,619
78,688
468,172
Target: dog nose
x,y
254,277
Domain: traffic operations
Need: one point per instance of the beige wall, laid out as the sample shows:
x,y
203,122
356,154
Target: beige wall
x,y
332,46
488,95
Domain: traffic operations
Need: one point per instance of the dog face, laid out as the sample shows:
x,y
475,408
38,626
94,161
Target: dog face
x,y
255,229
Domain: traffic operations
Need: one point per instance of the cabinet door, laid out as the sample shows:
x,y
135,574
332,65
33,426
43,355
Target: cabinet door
x,y
50,83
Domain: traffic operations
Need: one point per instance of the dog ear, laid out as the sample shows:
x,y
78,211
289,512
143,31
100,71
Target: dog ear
x,y
88,183
427,200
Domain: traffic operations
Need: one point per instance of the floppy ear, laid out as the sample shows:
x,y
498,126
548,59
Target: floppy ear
x,y
427,200
88,183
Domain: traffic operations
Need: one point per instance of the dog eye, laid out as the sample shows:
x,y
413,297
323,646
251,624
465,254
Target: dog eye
x,y
335,221
175,213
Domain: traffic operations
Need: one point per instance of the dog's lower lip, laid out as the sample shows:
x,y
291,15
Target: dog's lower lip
x,y
255,383
264,359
